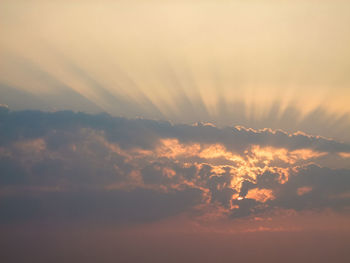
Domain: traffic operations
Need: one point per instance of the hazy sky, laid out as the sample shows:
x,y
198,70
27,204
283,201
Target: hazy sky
x,y
226,138
253,63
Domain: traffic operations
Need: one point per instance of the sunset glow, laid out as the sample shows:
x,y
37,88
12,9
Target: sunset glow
x,y
174,131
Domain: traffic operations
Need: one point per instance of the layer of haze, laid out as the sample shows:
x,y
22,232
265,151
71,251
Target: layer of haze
x,y
276,64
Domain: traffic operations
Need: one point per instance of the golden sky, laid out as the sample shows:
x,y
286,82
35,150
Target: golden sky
x,y
227,62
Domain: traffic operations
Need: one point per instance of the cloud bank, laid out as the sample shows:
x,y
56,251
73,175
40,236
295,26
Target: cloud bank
x,y
68,166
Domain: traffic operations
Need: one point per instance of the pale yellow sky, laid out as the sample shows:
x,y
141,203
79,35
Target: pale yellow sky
x,y
227,61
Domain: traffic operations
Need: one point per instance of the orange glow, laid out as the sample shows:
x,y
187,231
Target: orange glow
x,y
255,161
219,151
169,172
171,148
269,154
303,190
306,154
344,155
260,195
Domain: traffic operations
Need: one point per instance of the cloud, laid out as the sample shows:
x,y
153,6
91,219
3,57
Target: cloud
x,y
138,205
145,133
77,166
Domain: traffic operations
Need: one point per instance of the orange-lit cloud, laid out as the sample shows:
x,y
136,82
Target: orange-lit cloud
x,y
345,155
304,190
260,195
203,171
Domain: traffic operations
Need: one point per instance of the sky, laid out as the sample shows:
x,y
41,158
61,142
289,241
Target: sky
x,y
175,131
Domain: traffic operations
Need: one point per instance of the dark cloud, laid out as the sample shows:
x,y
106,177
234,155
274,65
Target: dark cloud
x,y
309,188
145,133
324,188
77,166
115,206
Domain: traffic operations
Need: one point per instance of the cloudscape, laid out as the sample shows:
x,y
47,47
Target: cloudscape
x,y
174,131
